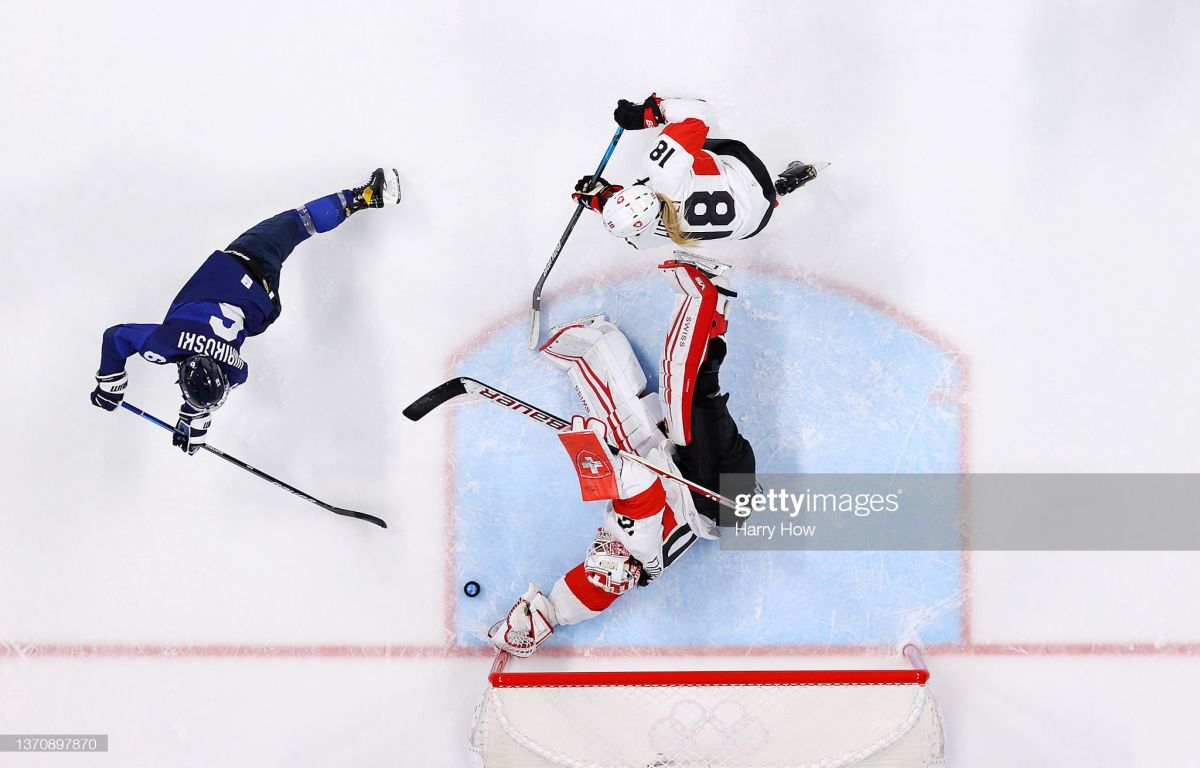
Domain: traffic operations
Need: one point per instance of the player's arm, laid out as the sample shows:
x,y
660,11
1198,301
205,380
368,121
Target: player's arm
x,y
636,495
677,155
191,430
119,343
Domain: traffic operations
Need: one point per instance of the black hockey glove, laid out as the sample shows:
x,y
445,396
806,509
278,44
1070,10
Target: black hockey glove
x,y
191,429
634,117
594,196
110,390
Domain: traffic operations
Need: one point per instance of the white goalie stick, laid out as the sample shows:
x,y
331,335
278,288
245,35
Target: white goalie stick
x,y
467,386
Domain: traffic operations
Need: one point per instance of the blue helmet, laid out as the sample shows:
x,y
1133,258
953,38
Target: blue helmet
x,y
203,382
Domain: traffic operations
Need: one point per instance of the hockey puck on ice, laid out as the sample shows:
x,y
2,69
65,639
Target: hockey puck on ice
x,y
471,589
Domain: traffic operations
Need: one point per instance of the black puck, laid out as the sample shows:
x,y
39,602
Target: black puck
x,y
471,589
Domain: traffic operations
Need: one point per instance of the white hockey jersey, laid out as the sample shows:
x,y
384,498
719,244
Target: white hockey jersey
x,y
720,187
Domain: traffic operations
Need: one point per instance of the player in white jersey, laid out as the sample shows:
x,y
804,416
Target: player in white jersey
x,y
696,188
648,522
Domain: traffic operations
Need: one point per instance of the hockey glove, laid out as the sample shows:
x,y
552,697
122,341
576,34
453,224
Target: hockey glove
x,y
191,429
634,117
110,390
595,195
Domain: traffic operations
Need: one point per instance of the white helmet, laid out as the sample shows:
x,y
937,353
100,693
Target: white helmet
x,y
632,211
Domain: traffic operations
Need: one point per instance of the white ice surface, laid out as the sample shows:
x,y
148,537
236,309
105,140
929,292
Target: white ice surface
x,y
1020,178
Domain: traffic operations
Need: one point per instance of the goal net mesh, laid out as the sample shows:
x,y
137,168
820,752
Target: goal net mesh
x,y
726,725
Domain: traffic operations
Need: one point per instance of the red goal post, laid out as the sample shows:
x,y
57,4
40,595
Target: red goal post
x,y
815,718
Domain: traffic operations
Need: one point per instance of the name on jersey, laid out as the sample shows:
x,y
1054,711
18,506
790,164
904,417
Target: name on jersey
x,y
218,350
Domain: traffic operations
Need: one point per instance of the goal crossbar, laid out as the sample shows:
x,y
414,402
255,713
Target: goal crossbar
x,y
917,674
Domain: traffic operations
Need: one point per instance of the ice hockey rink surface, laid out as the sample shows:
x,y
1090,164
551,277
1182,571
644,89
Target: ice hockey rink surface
x,y
996,274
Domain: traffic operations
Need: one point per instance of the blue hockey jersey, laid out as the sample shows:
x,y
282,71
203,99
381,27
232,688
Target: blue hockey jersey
x,y
213,314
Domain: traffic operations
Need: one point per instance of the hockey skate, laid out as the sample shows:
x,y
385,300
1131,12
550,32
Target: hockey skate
x,y
796,175
383,188
710,267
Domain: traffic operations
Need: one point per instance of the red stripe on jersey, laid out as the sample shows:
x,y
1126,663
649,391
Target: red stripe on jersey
x,y
691,134
592,597
669,521
648,503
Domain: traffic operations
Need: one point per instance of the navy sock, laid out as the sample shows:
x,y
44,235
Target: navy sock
x,y
324,213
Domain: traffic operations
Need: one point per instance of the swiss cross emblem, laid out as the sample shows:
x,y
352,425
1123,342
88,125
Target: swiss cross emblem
x,y
591,466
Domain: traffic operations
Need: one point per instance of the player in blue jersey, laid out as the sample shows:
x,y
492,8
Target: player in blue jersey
x,y
232,296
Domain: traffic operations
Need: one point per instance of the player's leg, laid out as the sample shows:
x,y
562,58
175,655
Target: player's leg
x,y
600,363
267,244
699,315
796,175
717,447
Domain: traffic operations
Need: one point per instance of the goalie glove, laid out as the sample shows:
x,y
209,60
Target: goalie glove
x,y
527,625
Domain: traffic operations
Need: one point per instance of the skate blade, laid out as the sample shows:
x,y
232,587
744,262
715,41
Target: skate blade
x,y
391,187
712,266
584,321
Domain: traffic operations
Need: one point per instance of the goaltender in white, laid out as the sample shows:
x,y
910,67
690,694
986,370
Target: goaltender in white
x,y
648,522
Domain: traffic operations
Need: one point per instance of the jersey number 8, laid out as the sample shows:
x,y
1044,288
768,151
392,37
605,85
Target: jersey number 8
x,y
709,208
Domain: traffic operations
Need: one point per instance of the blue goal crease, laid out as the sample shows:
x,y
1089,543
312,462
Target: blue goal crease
x,y
820,383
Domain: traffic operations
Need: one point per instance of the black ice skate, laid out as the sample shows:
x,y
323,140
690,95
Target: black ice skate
x,y
382,189
796,175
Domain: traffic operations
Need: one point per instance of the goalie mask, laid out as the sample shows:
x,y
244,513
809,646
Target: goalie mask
x,y
632,211
203,382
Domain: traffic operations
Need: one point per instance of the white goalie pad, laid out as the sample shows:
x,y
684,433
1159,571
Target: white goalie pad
x,y
610,381
698,316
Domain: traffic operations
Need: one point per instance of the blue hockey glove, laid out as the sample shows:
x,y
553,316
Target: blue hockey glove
x,y
110,390
191,429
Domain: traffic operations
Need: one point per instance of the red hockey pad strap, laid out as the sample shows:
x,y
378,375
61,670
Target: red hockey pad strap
x,y
597,478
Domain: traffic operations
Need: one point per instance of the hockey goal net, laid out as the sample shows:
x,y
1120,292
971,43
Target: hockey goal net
x,y
826,718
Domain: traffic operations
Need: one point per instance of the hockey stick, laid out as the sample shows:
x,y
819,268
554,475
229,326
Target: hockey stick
x,y
536,317
468,386
259,473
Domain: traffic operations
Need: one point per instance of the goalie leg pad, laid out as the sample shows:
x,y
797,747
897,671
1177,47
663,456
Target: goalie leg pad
x,y
610,381
527,625
701,304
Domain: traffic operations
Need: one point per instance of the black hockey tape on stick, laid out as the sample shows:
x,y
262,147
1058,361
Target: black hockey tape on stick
x,y
433,398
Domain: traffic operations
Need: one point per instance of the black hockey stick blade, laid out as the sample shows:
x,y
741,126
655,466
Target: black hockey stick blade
x,y
435,397
358,515
259,473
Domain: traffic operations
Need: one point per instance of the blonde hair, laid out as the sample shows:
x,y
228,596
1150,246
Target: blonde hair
x,y
671,221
